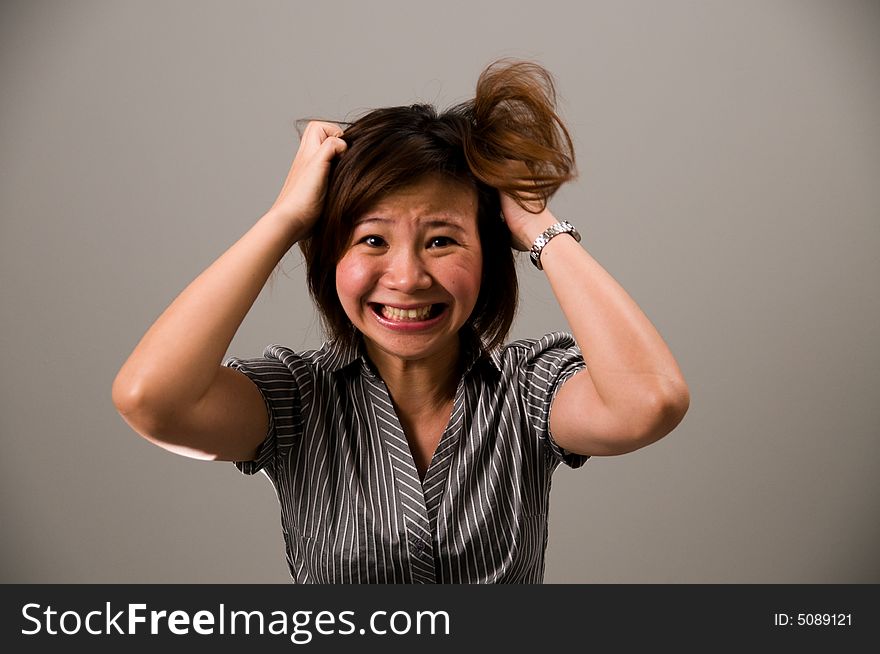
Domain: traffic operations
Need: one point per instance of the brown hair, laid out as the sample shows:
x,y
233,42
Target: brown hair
x,y
511,120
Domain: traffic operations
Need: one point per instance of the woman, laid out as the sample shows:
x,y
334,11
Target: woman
x,y
413,447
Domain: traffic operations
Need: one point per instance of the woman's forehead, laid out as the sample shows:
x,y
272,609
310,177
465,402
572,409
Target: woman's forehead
x,y
428,198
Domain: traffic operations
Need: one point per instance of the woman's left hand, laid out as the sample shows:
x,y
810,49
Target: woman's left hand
x,y
525,226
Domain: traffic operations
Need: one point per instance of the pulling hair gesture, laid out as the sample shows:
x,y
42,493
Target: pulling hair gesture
x,y
408,221
302,196
519,143
173,389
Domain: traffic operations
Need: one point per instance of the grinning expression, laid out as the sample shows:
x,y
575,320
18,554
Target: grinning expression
x,y
410,276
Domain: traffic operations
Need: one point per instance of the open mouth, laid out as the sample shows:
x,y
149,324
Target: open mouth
x,y
413,314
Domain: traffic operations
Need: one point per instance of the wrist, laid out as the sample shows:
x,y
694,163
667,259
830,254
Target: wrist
x,y
536,227
544,239
289,231
529,227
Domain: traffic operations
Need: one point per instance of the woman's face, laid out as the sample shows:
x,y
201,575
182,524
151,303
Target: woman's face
x,y
410,276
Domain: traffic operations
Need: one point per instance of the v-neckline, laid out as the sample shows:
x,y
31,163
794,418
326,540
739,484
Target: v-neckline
x,y
420,442
422,495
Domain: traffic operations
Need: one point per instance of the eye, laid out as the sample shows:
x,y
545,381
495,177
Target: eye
x,y
440,242
373,241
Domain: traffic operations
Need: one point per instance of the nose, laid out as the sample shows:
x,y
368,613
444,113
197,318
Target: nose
x,y
406,272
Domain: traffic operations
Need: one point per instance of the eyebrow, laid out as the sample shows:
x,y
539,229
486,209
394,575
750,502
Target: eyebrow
x,y
433,222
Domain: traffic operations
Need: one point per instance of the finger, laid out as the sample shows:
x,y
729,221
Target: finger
x,y
317,132
332,146
331,129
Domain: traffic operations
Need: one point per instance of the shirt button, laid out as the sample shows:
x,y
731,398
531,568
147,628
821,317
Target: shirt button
x,y
417,544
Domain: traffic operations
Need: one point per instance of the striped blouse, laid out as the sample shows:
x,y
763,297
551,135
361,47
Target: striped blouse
x,y
353,507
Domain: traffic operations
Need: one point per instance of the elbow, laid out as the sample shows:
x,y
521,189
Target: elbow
x,y
639,424
131,402
155,424
126,396
659,413
678,401
668,408
129,397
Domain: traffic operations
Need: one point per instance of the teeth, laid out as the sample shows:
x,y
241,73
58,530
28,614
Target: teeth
x,y
393,313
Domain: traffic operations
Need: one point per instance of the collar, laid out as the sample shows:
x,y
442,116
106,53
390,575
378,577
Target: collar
x,y
338,354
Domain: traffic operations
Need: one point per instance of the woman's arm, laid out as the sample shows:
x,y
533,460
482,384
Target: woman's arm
x,y
633,392
173,389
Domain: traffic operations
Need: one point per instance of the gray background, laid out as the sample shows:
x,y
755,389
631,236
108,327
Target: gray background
x,y
730,159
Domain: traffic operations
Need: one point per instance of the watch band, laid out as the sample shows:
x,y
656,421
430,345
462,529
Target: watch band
x,y
563,227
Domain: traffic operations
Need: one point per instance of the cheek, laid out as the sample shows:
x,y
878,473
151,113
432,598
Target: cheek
x,y
465,279
348,274
353,278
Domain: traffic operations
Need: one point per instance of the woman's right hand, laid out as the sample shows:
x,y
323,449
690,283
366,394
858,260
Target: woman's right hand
x,y
302,197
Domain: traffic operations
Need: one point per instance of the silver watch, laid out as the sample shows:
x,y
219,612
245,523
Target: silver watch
x,y
563,227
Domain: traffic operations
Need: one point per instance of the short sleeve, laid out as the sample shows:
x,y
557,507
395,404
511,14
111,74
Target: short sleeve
x,y
274,378
545,366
